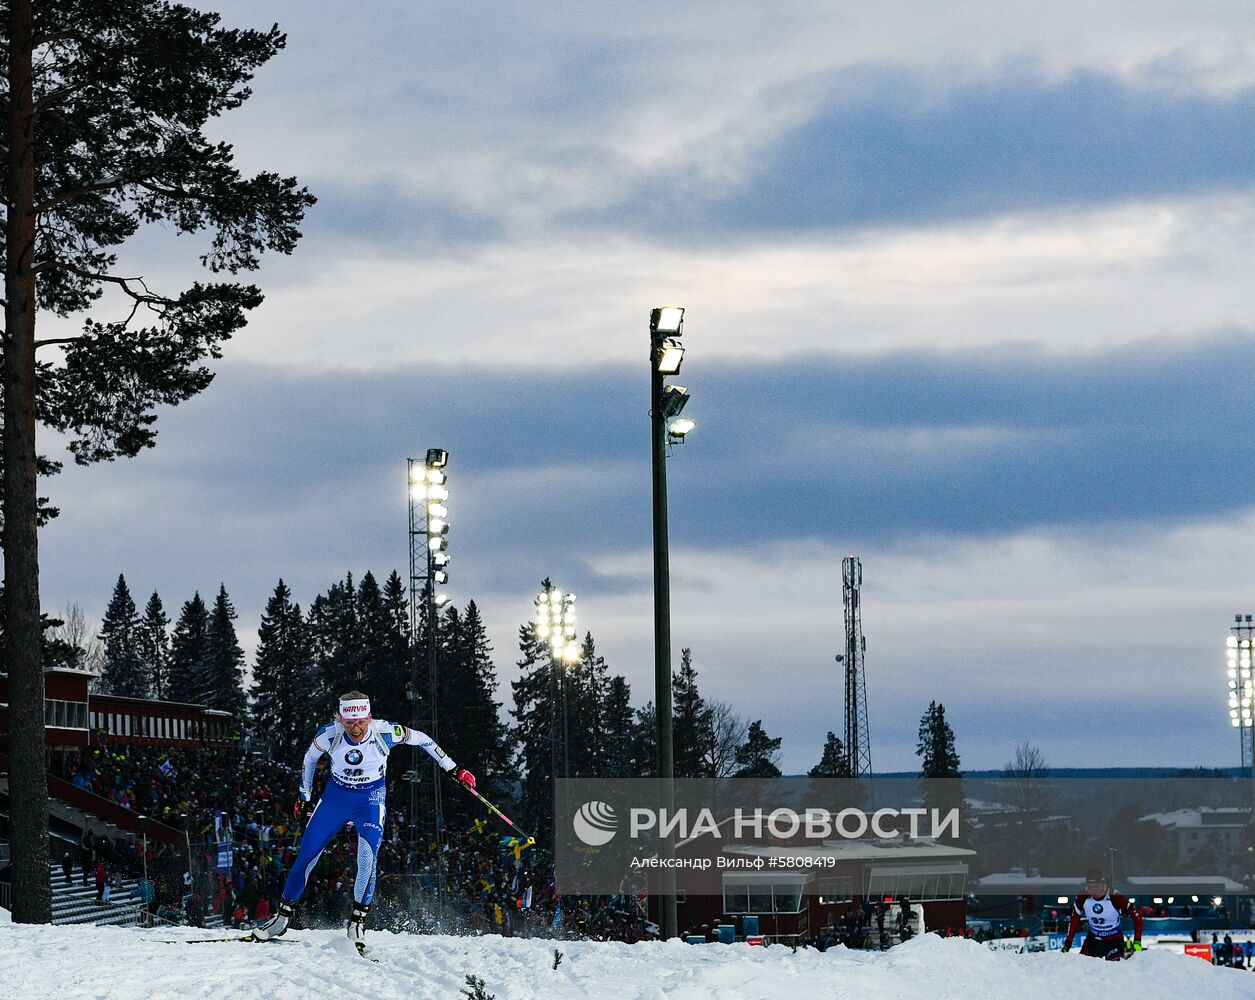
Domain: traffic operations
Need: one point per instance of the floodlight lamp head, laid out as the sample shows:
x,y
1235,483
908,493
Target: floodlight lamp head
x,y
440,559
678,429
437,458
440,576
666,321
437,543
670,357
441,599
674,399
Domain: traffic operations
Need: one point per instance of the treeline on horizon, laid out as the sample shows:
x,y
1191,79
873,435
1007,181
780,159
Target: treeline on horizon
x,y
356,635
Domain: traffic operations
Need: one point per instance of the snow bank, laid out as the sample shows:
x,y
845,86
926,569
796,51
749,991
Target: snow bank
x,y
119,964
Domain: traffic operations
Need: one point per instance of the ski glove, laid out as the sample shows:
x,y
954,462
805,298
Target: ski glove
x,y
1067,947
305,794
462,775
1135,946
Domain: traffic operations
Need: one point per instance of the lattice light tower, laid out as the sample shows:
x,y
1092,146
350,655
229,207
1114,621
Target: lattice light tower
x,y
1241,649
429,561
858,746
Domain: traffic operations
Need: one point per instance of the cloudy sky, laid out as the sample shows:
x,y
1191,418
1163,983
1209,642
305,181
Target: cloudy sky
x,y
968,292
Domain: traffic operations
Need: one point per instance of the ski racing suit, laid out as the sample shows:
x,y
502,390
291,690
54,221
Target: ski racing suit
x,y
355,793
1105,938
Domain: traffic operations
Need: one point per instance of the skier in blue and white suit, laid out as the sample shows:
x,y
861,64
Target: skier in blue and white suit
x,y
358,748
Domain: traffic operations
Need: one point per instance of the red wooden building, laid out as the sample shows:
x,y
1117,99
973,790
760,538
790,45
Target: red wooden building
x,y
801,890
74,717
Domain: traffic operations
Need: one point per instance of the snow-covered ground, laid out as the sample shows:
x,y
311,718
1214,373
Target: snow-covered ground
x,y
104,962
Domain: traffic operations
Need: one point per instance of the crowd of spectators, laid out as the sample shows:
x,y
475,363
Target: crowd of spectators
x,y
491,882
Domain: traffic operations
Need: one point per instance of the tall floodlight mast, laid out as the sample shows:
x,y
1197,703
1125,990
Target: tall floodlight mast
x,y
429,569
1241,652
858,745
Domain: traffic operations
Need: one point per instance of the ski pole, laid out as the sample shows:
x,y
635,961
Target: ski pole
x,y
528,840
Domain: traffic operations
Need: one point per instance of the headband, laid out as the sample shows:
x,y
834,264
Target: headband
x,y
355,708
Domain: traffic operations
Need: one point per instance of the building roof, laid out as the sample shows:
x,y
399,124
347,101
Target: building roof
x,y
1017,884
859,850
1221,818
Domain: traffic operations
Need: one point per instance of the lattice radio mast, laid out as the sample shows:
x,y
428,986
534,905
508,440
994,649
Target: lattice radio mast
x,y
858,746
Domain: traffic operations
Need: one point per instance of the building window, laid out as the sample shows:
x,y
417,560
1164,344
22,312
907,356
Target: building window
x,y
836,890
762,897
65,714
786,898
918,885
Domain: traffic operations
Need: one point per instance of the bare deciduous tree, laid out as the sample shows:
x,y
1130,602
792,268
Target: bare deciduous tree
x,y
723,733
81,635
1027,791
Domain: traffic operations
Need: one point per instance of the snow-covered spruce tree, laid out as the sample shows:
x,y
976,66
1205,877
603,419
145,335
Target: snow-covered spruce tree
x,y
283,678
224,663
124,672
105,109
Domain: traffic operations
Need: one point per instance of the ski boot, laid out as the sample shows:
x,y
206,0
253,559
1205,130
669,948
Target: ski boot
x,y
276,925
357,927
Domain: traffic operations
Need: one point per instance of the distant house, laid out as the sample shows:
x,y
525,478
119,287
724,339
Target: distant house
x,y
1222,830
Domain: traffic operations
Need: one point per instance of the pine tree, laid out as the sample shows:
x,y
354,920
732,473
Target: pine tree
x,y
936,746
940,778
621,738
478,727
106,110
645,740
757,756
372,630
690,717
533,713
833,763
337,637
119,632
189,652
586,685
390,668
154,646
224,678
452,673
283,678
